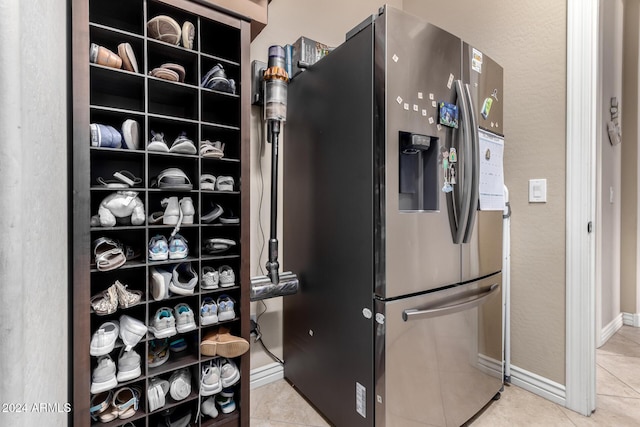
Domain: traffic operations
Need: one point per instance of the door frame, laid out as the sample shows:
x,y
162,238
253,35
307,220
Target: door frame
x,y
582,75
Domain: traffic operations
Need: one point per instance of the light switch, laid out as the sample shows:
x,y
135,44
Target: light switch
x,y
537,190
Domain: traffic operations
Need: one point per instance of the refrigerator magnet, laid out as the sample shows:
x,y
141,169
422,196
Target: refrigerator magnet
x,y
486,107
448,114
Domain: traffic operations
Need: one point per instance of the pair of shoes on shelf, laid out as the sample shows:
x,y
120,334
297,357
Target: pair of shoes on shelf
x,y
122,179
212,278
224,400
116,295
169,71
110,254
129,330
212,149
221,343
217,245
221,183
216,79
165,323
180,280
217,214
172,179
104,376
182,144
212,312
122,404
125,58
167,29
161,250
108,136
218,374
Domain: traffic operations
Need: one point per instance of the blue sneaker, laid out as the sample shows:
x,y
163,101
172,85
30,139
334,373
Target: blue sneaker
x,y
105,136
178,248
158,248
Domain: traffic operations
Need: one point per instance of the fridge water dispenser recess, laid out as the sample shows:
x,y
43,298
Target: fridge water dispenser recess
x,y
418,172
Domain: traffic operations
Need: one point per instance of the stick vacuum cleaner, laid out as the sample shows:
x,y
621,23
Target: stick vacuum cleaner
x,y
275,284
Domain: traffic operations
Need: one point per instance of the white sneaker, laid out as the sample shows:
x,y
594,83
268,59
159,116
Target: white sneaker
x,y
210,278
209,407
226,402
225,308
104,339
184,279
208,312
184,318
103,377
159,283
131,331
178,248
210,381
227,276
128,365
180,384
163,324
229,373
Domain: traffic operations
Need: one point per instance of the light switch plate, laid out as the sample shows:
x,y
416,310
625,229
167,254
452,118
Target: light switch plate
x,y
537,191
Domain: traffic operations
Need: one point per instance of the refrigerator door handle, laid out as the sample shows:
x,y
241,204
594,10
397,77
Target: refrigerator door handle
x,y
475,169
461,206
482,296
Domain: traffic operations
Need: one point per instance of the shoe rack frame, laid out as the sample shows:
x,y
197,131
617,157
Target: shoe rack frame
x,y
109,96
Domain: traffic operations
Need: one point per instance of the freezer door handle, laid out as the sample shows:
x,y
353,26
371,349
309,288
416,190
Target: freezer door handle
x,y
481,296
475,170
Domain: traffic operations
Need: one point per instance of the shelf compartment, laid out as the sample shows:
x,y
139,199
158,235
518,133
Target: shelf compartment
x,y
232,71
171,129
229,137
179,15
159,53
222,420
105,163
188,165
125,15
173,99
220,108
110,39
220,40
115,88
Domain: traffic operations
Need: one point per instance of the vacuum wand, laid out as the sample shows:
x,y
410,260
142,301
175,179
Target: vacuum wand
x,y
272,264
275,108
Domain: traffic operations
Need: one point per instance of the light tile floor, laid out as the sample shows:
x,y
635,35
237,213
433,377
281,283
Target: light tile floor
x,y
618,397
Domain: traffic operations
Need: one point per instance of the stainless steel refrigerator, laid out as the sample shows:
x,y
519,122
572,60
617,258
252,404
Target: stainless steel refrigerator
x,y
398,321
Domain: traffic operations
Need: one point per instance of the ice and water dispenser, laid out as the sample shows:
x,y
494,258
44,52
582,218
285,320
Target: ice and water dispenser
x,y
419,189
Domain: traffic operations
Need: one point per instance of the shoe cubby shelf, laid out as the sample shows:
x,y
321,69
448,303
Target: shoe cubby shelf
x,y
109,96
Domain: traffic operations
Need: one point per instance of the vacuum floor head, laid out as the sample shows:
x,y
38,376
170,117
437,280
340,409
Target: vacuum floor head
x,y
263,288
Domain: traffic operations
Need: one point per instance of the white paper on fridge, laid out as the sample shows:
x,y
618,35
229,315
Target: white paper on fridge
x,y
491,172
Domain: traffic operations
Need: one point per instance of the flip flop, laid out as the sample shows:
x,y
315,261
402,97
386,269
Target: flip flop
x,y
188,34
164,28
103,56
213,215
217,245
224,183
131,133
122,179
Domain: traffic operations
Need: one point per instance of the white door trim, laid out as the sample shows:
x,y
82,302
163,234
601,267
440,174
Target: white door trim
x,y
582,73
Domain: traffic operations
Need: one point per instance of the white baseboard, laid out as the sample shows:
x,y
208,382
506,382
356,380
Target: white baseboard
x,y
536,384
266,374
609,330
631,319
491,366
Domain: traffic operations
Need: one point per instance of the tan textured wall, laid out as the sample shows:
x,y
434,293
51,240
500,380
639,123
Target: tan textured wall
x,y
529,40
630,123
609,158
327,22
